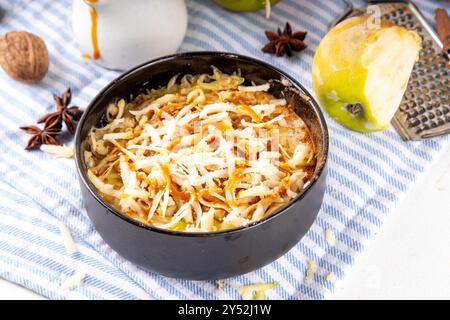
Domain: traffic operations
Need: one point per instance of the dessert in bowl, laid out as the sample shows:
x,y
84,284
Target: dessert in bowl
x,y
202,165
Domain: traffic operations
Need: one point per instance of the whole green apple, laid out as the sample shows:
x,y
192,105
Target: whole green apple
x,y
244,5
361,71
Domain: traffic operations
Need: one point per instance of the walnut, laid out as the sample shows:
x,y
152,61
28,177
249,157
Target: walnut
x,y
23,56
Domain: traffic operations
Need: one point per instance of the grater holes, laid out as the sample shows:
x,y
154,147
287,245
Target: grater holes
x,y
412,114
420,100
413,122
424,127
422,118
409,95
433,67
403,108
411,104
437,105
430,51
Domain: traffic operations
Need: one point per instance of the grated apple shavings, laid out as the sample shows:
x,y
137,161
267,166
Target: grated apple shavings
x,y
285,82
255,291
329,237
57,151
69,244
73,281
220,284
330,277
262,87
310,271
200,155
172,82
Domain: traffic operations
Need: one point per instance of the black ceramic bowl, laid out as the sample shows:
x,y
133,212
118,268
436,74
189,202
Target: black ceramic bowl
x,y
215,255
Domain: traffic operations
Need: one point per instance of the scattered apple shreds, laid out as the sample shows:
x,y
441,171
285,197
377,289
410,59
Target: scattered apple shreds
x,y
69,244
255,291
330,277
73,281
329,237
86,57
311,270
196,158
57,151
220,284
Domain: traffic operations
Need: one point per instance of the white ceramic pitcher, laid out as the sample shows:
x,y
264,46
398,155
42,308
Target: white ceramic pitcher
x,y
120,34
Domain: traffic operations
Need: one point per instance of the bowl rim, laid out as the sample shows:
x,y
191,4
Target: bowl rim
x,y
192,54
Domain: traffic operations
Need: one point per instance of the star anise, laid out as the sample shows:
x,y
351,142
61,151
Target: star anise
x,y
70,115
41,136
285,42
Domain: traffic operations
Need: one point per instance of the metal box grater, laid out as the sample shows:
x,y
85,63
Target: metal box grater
x,y
425,109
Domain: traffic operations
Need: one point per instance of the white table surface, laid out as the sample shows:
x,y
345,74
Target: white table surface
x,y
408,259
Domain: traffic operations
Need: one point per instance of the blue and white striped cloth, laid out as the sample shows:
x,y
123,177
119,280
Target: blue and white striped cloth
x,y
368,174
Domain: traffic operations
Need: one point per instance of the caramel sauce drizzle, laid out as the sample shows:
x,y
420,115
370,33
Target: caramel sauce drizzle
x,y
94,32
